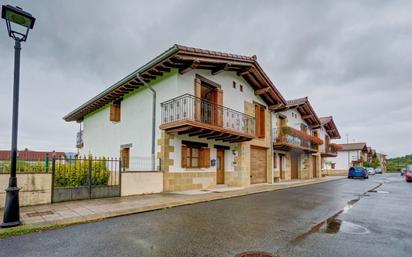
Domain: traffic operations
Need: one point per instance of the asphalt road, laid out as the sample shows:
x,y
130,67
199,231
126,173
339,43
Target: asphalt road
x,y
288,222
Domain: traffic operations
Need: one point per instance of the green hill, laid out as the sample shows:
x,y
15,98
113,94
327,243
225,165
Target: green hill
x,y
396,164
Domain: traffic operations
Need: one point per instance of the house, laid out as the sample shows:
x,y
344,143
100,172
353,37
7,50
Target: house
x,y
351,154
296,140
329,150
201,117
382,160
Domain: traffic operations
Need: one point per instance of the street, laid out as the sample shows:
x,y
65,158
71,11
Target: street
x,y
290,222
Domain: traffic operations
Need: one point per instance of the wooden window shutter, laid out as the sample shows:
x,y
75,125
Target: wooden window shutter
x,y
184,158
262,121
115,112
204,157
259,121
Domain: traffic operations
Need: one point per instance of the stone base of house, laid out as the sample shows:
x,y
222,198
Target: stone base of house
x,y
335,172
180,181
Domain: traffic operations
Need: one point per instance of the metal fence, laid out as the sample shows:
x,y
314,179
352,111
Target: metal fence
x,y
85,178
145,164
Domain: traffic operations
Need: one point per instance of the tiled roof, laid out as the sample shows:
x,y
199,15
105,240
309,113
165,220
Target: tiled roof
x,y
30,155
296,102
330,127
184,59
353,146
324,120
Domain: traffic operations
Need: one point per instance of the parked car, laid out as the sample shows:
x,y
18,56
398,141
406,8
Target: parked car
x,y
403,171
408,176
378,171
371,171
358,172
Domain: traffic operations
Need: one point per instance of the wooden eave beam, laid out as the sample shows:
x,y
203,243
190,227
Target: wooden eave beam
x,y
262,91
192,66
307,116
275,107
221,68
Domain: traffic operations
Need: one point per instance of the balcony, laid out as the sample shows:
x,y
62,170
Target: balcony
x,y
187,114
287,141
79,139
330,151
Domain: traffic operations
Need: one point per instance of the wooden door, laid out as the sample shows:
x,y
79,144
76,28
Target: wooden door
x,y
315,166
125,157
294,165
282,175
258,165
220,166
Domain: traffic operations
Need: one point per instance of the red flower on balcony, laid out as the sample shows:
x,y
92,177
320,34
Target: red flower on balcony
x,y
302,135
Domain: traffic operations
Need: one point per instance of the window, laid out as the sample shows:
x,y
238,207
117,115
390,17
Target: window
x,y
195,157
260,121
234,84
125,157
241,88
115,111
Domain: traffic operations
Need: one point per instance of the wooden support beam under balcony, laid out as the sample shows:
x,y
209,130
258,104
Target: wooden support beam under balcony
x,y
193,116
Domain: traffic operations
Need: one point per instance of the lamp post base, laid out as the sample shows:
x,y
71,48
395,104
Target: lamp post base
x,y
11,216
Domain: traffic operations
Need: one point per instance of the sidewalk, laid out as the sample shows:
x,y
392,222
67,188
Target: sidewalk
x,y
91,210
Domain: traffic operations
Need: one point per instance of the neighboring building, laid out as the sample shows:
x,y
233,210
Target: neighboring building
x,y
212,122
352,154
382,160
296,140
329,150
31,155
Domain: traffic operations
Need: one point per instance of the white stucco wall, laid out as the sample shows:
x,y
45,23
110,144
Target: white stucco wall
x,y
341,161
104,138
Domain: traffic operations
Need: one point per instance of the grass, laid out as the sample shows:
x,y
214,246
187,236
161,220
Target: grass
x,y
23,230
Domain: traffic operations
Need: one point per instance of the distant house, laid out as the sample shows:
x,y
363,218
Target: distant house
x,y
31,155
329,150
353,154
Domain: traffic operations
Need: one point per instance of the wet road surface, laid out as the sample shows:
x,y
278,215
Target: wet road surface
x,y
290,222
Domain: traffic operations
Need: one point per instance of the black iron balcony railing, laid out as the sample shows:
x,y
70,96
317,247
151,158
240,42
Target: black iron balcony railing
x,y
190,108
282,138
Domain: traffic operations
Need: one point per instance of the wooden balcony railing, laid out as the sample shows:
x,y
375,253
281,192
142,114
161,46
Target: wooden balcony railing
x,y
196,111
282,139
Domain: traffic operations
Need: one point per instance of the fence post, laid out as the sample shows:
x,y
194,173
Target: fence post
x,y
52,178
47,162
120,177
89,177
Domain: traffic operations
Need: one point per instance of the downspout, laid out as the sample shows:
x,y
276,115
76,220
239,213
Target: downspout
x,y
271,147
153,120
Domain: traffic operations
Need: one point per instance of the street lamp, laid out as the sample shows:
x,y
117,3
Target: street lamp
x,y
25,22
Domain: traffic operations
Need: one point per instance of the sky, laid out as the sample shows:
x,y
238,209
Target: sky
x,y
353,59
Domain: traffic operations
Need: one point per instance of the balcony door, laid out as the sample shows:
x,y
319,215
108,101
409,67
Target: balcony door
x,y
209,100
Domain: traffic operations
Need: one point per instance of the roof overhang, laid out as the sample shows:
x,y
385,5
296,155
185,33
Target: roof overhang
x,y
185,59
330,127
303,106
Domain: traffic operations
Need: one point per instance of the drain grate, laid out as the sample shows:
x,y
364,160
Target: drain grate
x,y
40,213
256,254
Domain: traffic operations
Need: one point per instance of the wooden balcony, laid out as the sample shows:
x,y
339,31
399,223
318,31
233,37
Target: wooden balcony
x,y
285,142
329,151
187,114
